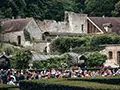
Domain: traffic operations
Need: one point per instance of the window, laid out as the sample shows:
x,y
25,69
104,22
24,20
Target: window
x,y
110,55
118,57
19,40
66,16
82,27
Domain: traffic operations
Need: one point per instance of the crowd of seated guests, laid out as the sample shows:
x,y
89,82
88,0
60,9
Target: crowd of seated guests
x,y
13,77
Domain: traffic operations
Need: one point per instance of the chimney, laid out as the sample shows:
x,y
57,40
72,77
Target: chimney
x,y
13,17
108,27
66,16
103,16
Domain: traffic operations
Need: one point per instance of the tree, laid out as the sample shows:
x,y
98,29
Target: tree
x,y
7,49
80,5
21,58
63,44
116,12
84,43
54,9
1,14
1,33
63,61
99,7
95,59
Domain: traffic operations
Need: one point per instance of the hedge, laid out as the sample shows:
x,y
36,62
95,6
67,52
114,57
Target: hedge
x,y
85,43
65,84
8,87
105,80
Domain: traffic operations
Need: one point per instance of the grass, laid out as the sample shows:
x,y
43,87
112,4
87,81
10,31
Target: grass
x,y
8,87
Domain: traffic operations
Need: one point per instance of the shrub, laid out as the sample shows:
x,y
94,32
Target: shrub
x,y
8,87
56,62
84,43
65,84
63,44
105,80
21,58
95,59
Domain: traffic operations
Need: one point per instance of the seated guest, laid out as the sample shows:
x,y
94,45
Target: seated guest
x,y
11,81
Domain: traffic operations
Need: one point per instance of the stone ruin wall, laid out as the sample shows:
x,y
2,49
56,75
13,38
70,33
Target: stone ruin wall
x,y
76,20
71,24
53,26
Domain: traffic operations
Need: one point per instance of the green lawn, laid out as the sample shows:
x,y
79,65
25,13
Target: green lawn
x,y
8,87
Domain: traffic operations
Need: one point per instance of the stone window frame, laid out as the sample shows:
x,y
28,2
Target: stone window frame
x,y
82,27
118,61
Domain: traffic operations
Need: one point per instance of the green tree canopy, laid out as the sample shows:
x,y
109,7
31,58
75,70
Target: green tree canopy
x,y
56,62
54,9
116,11
95,59
99,7
84,43
21,58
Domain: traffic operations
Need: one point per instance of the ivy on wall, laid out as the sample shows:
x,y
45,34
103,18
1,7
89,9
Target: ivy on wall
x,y
27,35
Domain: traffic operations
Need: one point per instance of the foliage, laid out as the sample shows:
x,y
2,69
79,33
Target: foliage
x,y
4,63
95,59
21,58
64,44
7,49
67,84
57,62
84,43
27,35
84,49
105,7
116,11
104,80
41,9
8,87
54,9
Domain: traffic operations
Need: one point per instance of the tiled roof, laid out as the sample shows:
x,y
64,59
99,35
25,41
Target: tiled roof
x,y
13,25
99,21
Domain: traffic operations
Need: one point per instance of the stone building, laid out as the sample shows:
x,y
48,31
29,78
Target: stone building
x,y
103,25
113,55
73,24
77,23
20,31
4,62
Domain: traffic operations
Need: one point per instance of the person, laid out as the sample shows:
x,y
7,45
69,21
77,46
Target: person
x,y
53,73
117,72
11,81
74,75
21,77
